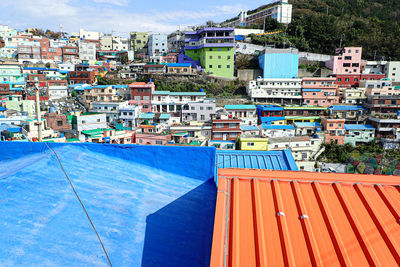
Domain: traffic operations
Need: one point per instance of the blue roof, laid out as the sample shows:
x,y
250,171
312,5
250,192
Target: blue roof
x,y
358,127
146,115
311,90
34,68
3,108
165,116
240,107
277,127
344,107
151,205
307,124
269,160
161,92
249,128
187,93
269,119
179,65
269,108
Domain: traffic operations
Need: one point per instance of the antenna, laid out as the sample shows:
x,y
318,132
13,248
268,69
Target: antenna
x,y
61,30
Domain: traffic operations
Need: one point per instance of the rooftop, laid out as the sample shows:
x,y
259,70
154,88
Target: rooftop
x,y
277,127
358,127
249,128
345,108
284,218
146,115
240,107
151,205
307,124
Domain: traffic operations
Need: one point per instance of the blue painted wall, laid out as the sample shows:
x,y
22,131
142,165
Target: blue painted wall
x,y
279,65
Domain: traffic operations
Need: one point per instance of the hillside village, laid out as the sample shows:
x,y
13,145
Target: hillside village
x,y
294,99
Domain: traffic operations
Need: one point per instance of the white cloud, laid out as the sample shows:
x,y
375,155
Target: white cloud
x,y
76,14
113,2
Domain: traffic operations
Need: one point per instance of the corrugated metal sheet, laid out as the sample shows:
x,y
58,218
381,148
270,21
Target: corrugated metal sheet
x,y
282,218
270,160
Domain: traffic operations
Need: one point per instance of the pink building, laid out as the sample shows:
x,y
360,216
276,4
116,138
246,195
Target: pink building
x,y
334,130
141,95
319,92
152,139
346,61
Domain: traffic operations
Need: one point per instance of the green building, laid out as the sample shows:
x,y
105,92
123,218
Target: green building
x,y
212,49
138,41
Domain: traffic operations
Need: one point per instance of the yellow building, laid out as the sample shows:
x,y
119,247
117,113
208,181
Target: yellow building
x,y
253,143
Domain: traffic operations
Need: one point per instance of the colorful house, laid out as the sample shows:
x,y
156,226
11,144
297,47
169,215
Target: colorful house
x,y
319,92
212,49
279,63
246,113
334,130
141,95
253,143
226,129
358,134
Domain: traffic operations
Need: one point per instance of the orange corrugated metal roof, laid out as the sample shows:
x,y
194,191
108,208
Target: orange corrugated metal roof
x,y
286,218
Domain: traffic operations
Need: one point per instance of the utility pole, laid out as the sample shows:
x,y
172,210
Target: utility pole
x,y
38,116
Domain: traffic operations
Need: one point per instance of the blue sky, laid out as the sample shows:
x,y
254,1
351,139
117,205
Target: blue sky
x,y
122,16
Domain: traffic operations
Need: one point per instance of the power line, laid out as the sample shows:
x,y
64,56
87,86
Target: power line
x,y
83,207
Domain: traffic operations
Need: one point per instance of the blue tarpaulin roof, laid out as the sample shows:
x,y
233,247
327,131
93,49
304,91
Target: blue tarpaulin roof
x,y
307,124
240,107
277,127
151,205
249,128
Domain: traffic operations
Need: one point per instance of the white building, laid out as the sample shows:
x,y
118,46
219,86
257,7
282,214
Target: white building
x,y
89,35
109,42
87,50
157,44
277,130
275,91
128,115
166,101
279,10
175,41
89,121
110,108
66,67
246,113
57,91
390,68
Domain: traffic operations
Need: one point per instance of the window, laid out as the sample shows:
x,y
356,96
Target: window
x,y
210,49
210,57
98,120
192,108
210,66
347,79
339,79
202,117
250,144
83,122
158,142
59,123
232,125
201,108
217,135
347,58
228,57
140,141
146,97
219,66
357,50
219,125
232,135
330,124
137,97
228,66
209,108
219,57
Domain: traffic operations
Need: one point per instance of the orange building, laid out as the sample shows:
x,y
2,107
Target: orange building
x,y
334,130
288,218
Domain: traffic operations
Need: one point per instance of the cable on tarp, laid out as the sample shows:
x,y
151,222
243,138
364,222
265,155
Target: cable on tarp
x,y
83,206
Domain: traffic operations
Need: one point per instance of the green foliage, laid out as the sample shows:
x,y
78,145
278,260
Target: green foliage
x,y
74,94
320,26
309,68
211,88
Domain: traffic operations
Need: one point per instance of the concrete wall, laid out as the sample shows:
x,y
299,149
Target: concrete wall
x,y
249,74
314,57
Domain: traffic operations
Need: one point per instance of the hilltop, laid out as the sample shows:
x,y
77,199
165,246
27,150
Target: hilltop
x,y
320,26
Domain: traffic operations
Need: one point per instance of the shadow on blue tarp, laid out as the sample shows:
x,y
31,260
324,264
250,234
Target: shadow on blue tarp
x,y
183,240
152,205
